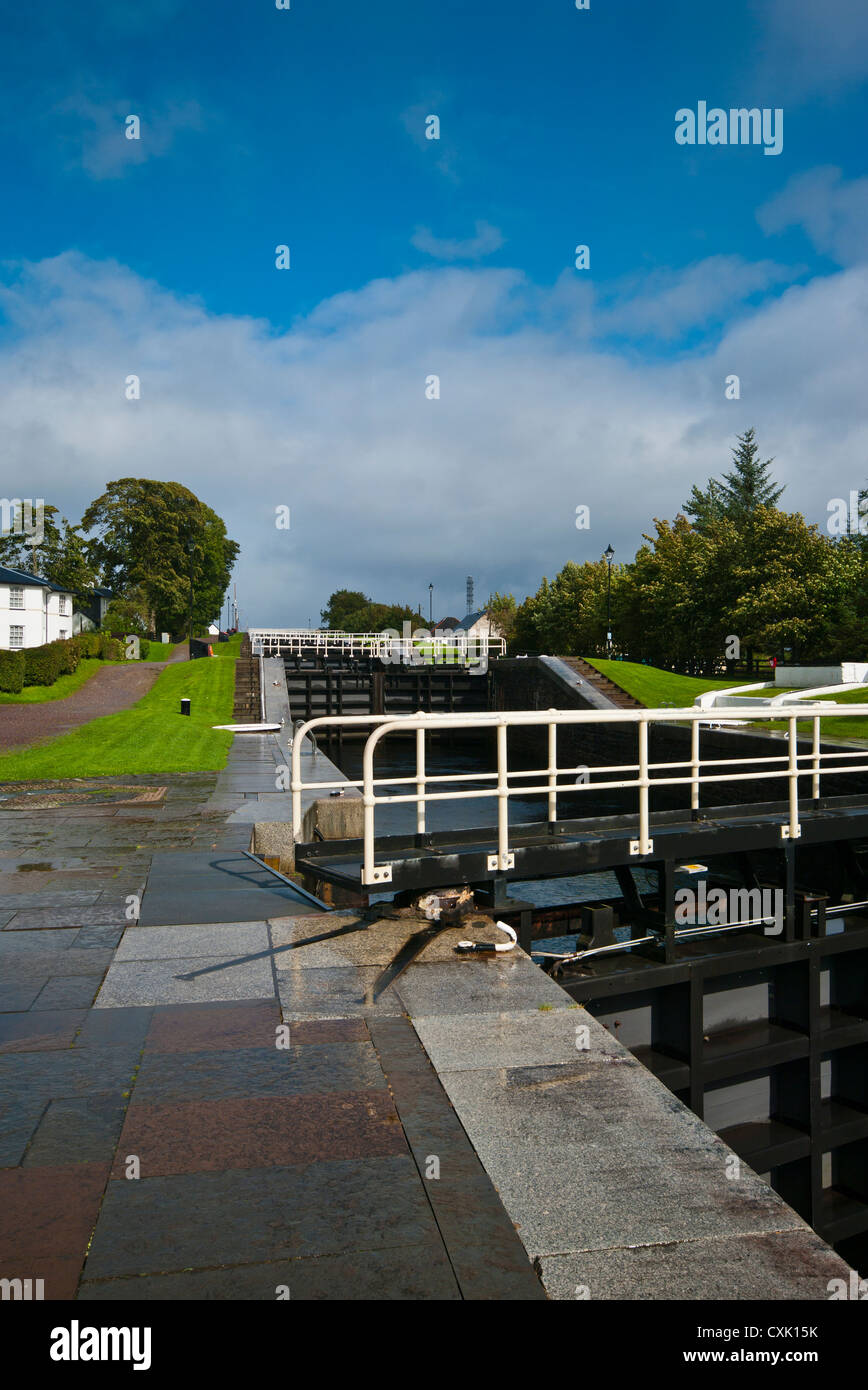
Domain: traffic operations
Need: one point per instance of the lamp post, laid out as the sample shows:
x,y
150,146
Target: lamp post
x,y
431,605
191,546
608,556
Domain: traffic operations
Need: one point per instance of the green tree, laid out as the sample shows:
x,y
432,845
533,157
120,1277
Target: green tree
x,y
739,494
502,609
149,536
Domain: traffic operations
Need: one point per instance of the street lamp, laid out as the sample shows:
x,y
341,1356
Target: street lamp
x,y
608,556
191,547
431,605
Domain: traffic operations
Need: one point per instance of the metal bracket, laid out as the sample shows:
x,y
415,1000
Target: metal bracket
x,y
496,863
635,849
381,875
785,833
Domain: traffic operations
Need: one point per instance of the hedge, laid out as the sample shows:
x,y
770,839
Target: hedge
x,y
41,664
68,654
110,649
144,648
87,643
12,672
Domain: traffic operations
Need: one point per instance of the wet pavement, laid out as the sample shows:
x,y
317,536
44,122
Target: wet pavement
x,y
187,1112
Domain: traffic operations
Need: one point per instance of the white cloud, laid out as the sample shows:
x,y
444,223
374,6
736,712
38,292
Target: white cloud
x,y
95,131
484,242
812,47
389,490
663,303
833,213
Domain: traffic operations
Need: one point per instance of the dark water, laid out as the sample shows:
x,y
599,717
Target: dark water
x,y
398,759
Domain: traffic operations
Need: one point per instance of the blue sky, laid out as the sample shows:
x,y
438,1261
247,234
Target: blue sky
x,y
409,257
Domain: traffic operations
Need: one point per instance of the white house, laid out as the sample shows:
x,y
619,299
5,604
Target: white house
x,y
33,611
479,625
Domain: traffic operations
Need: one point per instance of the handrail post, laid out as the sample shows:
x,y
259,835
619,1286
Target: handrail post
x,y
644,844
420,779
793,830
502,797
553,769
295,787
815,761
694,765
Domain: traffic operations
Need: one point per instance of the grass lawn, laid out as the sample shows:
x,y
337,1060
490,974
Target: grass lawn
x,y
151,736
655,687
836,728
63,686
232,648
160,651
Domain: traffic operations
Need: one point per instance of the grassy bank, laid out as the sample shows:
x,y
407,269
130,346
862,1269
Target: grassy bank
x,y
654,687
151,736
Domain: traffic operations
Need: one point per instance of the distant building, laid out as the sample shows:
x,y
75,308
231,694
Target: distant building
x,y
89,613
33,611
478,625
450,624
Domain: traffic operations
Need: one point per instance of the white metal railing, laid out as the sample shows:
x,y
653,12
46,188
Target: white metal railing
x,y
419,649
505,782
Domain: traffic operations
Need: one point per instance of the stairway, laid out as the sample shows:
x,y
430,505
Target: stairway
x,y
246,709
601,683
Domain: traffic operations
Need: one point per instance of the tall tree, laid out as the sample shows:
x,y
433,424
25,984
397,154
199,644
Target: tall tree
x,y
749,485
150,536
740,492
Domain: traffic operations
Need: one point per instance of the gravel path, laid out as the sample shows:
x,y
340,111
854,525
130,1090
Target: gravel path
x,y
112,689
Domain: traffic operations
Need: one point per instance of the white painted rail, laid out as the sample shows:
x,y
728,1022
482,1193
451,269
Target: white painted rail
x,y
420,649
550,781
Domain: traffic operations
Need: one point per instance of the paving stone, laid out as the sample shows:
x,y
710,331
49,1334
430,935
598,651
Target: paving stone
x,y
204,1136
20,993
781,1265
61,898
326,1030
225,941
38,919
38,1031
598,1180
403,1273
89,938
125,1027
163,982
334,992
47,1214
77,1131
18,1123
67,992
70,1072
159,1225
210,1027
257,1071
517,1038
474,986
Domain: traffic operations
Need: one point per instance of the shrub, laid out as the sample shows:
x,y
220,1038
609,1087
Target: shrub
x,y
144,648
68,654
110,649
87,643
42,664
12,672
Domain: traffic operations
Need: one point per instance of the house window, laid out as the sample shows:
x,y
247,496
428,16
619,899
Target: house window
x,y
64,602
16,598
16,637
63,634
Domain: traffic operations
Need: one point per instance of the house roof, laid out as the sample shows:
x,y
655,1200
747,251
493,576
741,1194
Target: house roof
x,y
467,623
19,579
451,623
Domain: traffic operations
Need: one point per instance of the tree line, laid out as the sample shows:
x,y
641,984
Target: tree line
x,y
140,539
733,574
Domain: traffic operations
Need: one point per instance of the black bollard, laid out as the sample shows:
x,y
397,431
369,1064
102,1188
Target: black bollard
x,y
185,706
